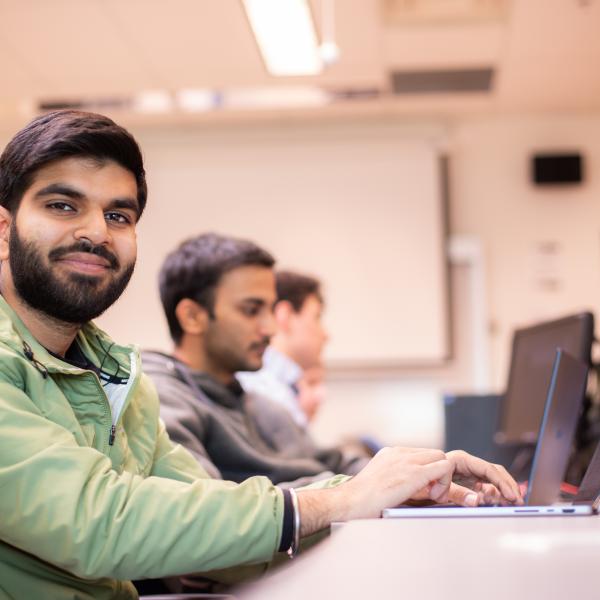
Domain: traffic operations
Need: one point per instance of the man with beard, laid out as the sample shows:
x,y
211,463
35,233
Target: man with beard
x,y
93,492
218,294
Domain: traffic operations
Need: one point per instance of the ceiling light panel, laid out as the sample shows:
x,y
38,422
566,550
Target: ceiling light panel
x,y
286,36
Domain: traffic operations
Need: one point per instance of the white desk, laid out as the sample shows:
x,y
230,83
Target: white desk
x,y
445,559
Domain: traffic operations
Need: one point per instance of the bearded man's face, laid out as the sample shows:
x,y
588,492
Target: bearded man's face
x,y
72,243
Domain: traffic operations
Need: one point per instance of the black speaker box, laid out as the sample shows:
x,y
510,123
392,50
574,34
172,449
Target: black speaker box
x,y
556,169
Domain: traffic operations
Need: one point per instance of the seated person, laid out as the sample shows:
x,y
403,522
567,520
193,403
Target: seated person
x,y
218,295
292,362
93,491
311,391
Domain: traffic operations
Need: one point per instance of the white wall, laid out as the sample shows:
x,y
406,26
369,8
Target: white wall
x,y
493,200
402,407
542,246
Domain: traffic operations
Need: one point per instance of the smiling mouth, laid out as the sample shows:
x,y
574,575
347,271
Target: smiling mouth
x,y
86,263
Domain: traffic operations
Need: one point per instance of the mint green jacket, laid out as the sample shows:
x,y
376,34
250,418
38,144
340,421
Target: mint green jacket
x,y
78,516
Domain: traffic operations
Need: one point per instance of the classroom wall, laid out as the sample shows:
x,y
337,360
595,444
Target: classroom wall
x,y
402,407
541,251
541,245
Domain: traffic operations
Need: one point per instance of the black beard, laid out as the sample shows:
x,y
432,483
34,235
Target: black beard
x,y
75,299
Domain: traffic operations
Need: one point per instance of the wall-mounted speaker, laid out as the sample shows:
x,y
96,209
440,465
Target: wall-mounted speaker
x,y
555,168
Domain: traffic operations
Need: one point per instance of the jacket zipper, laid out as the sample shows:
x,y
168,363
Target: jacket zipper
x,y
115,415
107,409
28,352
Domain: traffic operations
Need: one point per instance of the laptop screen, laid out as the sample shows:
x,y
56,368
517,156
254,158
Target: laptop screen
x,y
561,413
532,358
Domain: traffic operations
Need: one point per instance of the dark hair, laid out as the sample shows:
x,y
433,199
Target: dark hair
x,y
65,134
295,288
194,269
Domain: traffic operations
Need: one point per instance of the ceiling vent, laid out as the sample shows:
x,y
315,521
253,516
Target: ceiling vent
x,y
84,104
442,82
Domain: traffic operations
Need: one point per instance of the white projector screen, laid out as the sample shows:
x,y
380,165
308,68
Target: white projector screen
x,y
359,207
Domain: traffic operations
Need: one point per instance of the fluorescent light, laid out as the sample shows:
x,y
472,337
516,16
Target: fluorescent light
x,y
286,36
275,97
196,100
153,101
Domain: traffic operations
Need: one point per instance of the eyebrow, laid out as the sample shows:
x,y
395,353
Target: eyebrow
x,y
257,301
126,203
63,189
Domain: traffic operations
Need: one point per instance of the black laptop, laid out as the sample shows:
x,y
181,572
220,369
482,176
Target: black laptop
x,y
562,411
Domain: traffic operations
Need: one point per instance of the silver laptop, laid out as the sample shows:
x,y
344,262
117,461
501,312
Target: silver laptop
x,y
562,411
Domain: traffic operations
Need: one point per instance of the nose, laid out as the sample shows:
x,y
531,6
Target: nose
x,y
93,227
267,324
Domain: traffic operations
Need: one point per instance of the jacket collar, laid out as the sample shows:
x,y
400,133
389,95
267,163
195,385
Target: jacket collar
x,y
230,396
159,364
93,342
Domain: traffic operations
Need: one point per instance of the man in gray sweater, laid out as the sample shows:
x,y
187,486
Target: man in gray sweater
x,y
218,295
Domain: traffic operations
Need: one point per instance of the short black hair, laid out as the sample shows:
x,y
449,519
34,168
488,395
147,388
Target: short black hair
x,y
194,269
66,134
295,288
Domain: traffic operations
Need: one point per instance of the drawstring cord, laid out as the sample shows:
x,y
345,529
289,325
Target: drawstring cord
x,y
34,361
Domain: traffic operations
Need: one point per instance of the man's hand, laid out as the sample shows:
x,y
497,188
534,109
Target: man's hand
x,y
390,478
477,481
474,481
393,476
396,475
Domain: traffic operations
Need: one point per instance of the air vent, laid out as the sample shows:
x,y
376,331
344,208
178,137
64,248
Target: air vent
x,y
87,104
442,82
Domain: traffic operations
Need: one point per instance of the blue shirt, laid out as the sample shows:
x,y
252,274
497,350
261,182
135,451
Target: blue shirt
x,y
276,380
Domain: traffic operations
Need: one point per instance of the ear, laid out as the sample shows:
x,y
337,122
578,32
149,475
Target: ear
x,y
192,317
5,221
283,312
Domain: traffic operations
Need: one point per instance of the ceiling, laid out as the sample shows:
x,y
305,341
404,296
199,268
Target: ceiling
x,y
545,55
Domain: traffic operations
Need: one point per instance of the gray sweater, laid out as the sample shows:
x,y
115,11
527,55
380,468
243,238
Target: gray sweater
x,y
234,435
